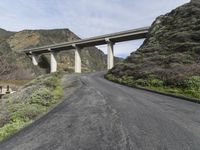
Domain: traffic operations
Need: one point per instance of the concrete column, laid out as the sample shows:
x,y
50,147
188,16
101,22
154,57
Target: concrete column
x,y
110,55
53,62
34,59
77,60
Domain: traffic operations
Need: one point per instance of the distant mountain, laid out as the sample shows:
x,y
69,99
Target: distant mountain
x,y
5,34
15,64
170,55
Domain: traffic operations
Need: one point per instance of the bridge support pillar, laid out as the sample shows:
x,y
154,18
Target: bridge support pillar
x,y
110,54
77,60
34,59
53,62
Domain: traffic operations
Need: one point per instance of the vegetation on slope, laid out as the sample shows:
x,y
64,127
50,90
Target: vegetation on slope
x,y
169,58
32,101
189,87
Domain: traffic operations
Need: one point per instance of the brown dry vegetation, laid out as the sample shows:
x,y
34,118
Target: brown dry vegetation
x,y
16,65
170,53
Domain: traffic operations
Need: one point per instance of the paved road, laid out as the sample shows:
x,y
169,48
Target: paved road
x,y
101,115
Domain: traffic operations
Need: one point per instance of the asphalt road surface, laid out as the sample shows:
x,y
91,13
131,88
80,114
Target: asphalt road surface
x,y
100,115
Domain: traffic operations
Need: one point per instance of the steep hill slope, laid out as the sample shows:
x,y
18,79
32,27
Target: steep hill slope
x,y
170,55
16,65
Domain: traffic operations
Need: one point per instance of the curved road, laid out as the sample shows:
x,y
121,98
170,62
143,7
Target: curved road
x,y
101,115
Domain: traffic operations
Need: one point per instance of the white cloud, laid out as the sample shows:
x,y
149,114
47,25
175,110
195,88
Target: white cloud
x,y
85,17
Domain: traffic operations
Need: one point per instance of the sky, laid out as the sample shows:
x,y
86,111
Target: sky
x,y
86,18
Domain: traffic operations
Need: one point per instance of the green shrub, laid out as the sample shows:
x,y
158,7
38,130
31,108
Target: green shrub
x,y
129,80
193,83
42,96
58,92
46,91
173,90
142,82
11,128
26,112
156,82
192,93
110,77
51,81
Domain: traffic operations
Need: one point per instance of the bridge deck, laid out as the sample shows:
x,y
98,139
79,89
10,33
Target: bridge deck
x,y
94,41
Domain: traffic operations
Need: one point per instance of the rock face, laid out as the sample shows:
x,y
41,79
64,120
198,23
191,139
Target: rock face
x,y
16,65
171,52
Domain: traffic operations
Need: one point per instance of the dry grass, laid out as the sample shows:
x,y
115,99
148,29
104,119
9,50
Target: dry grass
x,y
14,82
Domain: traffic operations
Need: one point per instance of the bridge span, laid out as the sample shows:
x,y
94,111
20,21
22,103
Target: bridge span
x,y
109,39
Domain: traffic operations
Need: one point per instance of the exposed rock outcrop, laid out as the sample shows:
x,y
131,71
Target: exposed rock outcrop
x,y
16,65
171,52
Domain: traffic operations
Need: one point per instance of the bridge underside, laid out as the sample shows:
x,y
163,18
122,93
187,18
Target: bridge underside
x,y
109,39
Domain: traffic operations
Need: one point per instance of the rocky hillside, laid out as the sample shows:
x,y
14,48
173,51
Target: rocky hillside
x,y
170,55
16,65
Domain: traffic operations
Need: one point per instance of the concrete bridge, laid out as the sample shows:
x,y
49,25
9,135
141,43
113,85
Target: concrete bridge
x,y
109,39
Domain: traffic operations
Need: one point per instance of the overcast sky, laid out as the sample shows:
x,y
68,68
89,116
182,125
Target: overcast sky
x,y
85,18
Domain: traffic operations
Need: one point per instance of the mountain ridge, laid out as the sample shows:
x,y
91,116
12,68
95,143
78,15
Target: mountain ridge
x,y
170,55
11,44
